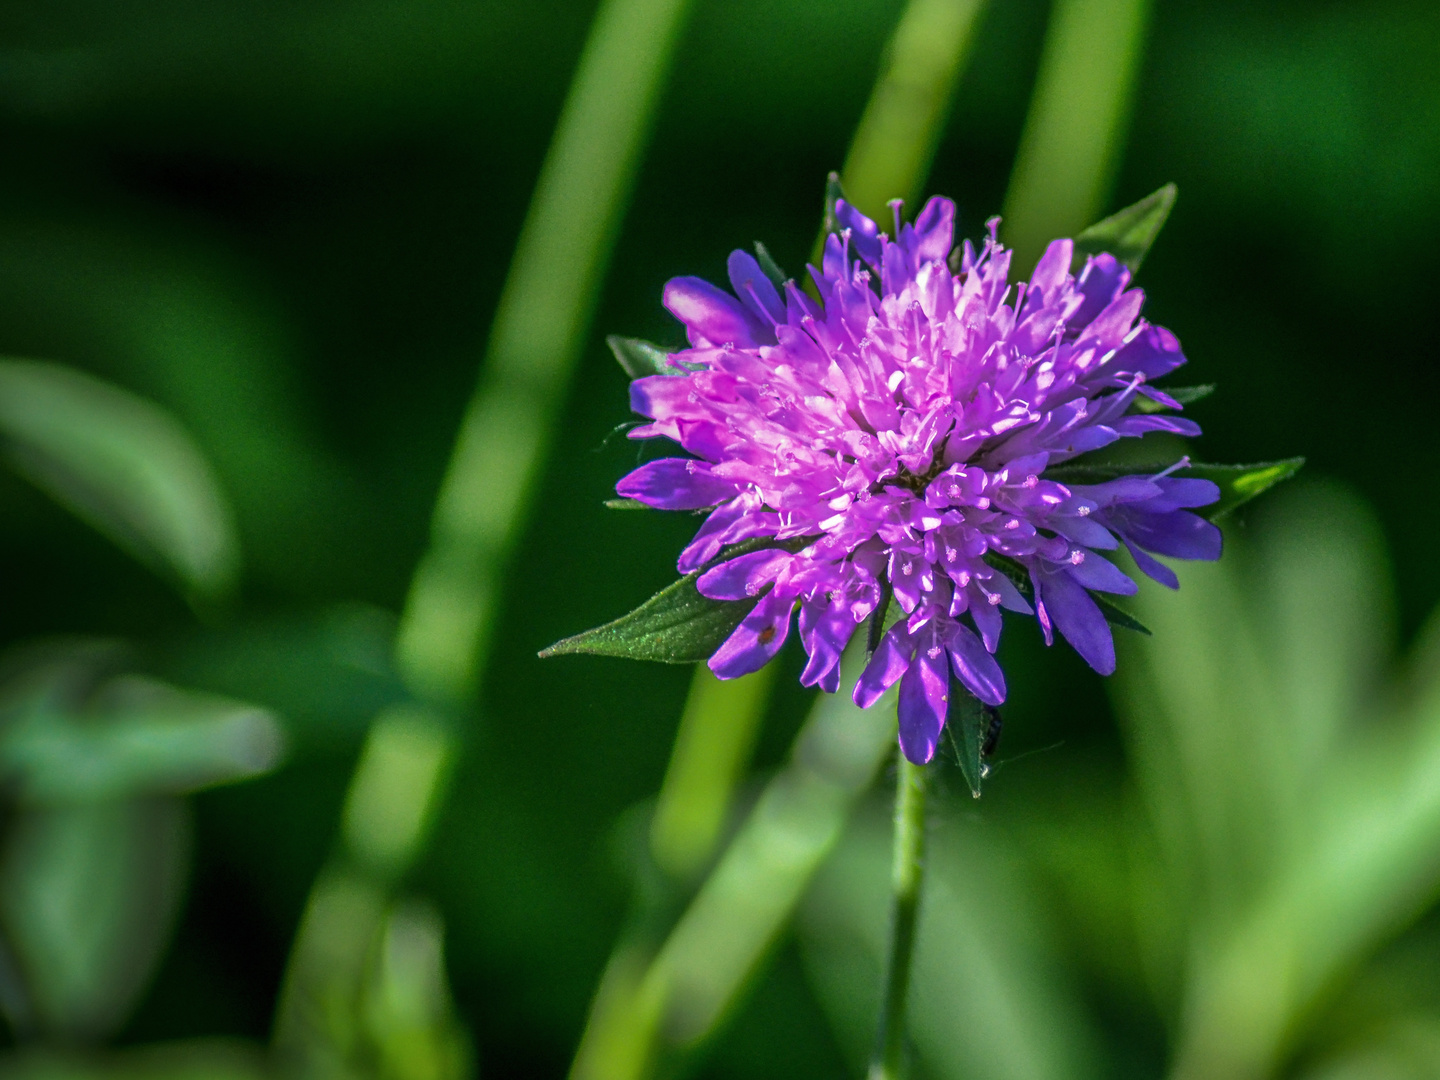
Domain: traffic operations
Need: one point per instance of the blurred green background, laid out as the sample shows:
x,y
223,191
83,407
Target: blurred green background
x,y
288,223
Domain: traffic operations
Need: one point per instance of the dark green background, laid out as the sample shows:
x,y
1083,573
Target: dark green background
x,y
289,222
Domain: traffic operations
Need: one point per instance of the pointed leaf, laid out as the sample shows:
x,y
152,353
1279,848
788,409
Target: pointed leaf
x,y
1129,233
125,466
969,722
72,734
626,504
675,626
1118,616
1240,483
641,358
771,268
876,627
1185,395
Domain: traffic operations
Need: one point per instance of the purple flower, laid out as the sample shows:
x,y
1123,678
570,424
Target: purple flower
x,y
903,434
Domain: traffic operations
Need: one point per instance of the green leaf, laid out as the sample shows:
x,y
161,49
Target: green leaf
x,y
1115,615
71,735
1185,395
675,626
641,358
626,504
771,268
969,720
125,466
877,626
1238,484
1129,233
88,895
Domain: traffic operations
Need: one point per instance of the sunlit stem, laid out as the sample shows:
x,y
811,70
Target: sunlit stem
x,y
1076,124
904,118
907,874
539,329
712,751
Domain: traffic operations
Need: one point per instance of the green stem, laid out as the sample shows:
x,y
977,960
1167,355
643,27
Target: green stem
x,y
1076,123
907,874
539,329
711,753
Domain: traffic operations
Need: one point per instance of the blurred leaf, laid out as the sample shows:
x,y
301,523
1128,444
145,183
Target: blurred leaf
x,y
192,1059
771,268
367,994
327,671
66,736
1129,233
408,1011
1403,1048
641,358
125,466
1185,395
88,893
626,504
675,626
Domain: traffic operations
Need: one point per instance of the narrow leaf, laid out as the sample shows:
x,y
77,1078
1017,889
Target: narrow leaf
x,y
1118,616
641,358
1185,395
876,627
1238,483
71,734
626,504
1129,233
125,466
771,268
675,626
969,721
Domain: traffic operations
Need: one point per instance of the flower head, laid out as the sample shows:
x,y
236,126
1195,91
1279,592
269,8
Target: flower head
x,y
901,438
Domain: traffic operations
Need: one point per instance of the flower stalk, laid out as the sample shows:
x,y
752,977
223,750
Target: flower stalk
x,y
907,876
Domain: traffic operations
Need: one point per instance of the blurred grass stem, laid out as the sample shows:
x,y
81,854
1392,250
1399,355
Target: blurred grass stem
x,y
895,142
712,751
907,875
544,312
1076,124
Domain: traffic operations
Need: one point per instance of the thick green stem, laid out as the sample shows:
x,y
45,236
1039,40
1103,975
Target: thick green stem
x,y
907,874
